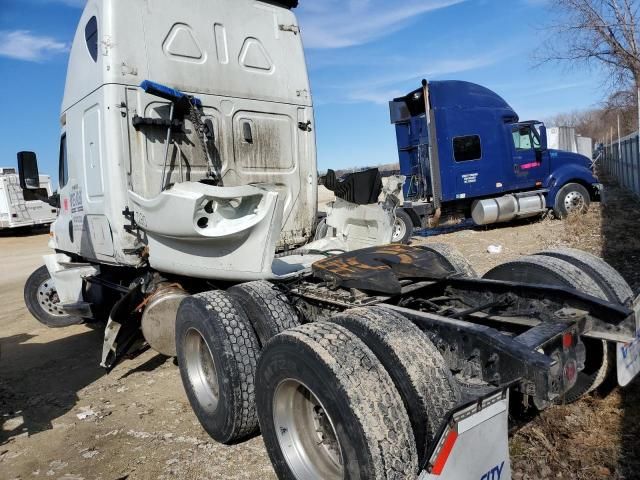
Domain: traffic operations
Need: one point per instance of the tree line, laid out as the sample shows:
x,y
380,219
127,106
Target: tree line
x,y
602,34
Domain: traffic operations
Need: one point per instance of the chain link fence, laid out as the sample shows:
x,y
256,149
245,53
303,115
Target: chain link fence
x,y
621,160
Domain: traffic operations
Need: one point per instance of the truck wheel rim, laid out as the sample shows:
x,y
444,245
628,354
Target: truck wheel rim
x,y
306,434
399,230
574,202
201,370
49,300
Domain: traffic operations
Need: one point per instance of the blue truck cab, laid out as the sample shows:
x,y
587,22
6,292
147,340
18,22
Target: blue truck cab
x,y
465,151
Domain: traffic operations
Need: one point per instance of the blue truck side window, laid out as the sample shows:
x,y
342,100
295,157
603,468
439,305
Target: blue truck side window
x,y
91,36
524,139
466,149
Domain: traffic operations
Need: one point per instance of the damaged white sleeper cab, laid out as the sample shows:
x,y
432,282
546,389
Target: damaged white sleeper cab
x,y
191,217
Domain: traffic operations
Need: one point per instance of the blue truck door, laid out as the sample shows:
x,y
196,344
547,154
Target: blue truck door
x,y
470,167
472,170
529,165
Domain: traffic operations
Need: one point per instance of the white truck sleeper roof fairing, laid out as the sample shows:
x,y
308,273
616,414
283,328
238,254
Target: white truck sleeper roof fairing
x,y
243,59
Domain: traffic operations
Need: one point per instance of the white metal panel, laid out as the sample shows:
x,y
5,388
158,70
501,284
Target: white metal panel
x,y
4,201
585,146
92,147
480,447
628,355
222,47
100,234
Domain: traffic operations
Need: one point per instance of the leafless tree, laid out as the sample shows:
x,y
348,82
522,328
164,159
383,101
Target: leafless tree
x,y
601,33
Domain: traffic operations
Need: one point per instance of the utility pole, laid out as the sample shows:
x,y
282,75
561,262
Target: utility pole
x,y
619,152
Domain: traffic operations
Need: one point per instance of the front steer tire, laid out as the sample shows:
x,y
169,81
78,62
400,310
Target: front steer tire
x,y
571,198
329,410
402,228
41,299
217,354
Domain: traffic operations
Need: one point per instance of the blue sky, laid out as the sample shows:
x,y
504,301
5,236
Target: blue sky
x,y
361,53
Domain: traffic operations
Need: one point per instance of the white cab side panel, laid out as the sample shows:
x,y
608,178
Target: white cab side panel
x,y
91,223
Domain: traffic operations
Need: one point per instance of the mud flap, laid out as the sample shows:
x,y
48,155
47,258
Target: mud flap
x,y
628,354
123,327
474,445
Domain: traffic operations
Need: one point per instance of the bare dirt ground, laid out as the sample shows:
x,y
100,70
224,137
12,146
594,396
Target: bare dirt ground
x,y
62,417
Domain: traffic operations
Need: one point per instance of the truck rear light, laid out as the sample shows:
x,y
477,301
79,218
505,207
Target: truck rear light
x,y
570,372
567,341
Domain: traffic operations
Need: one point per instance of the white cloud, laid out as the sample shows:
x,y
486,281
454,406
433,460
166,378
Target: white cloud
x,y
438,68
381,89
340,23
23,45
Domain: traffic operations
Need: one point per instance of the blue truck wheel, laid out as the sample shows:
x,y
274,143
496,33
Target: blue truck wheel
x,y
402,228
572,198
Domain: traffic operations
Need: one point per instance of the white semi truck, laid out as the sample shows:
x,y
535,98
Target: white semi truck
x,y
24,208
188,217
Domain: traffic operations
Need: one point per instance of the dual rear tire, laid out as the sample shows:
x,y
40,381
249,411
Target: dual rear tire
x,y
361,396
375,389
219,336
588,274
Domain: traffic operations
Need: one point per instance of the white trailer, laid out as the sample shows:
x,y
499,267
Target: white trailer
x,y
566,139
24,208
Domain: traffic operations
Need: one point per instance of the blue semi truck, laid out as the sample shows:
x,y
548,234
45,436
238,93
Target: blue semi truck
x,y
466,153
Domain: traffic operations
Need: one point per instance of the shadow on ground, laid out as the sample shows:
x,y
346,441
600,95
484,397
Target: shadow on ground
x,y
39,382
24,231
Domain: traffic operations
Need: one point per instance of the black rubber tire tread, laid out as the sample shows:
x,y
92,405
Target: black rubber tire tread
x,y
453,256
229,334
557,271
267,308
559,209
35,308
419,372
321,230
562,273
615,288
374,426
608,279
406,219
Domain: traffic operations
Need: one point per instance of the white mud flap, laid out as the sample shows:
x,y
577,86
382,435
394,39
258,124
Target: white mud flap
x,y
628,361
475,443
